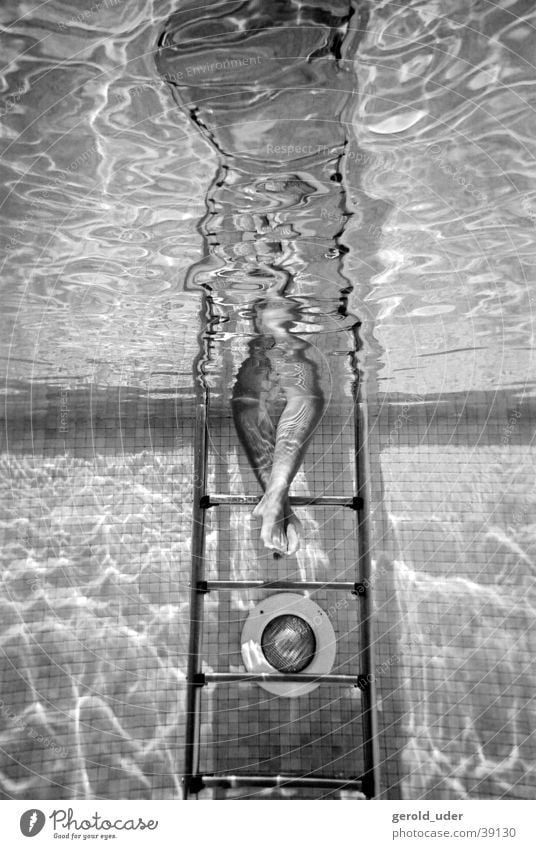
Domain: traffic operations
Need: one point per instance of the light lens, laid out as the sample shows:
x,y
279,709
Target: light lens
x,y
288,643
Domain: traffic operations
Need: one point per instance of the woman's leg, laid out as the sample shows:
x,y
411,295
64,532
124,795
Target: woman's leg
x,y
277,359
280,527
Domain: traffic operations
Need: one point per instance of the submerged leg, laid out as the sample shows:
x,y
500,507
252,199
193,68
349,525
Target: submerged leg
x,y
252,421
258,436
256,433
277,360
280,527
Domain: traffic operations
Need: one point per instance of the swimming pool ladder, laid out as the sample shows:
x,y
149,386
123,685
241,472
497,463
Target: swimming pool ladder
x,y
192,781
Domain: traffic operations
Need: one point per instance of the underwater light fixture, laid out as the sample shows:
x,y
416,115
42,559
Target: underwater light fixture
x,y
288,633
288,643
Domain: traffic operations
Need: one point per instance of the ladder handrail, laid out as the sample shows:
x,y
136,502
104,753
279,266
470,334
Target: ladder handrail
x,y
282,677
219,498
354,587
362,469
196,599
282,780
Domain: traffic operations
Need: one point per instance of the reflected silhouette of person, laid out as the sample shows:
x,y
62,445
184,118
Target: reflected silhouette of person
x,y
281,74
277,367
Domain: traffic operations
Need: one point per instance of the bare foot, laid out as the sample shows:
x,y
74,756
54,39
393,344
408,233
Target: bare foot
x,y
293,528
281,529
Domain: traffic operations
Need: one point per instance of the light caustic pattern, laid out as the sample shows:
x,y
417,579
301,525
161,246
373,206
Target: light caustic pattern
x,y
445,126
95,584
94,633
277,205
107,181
444,121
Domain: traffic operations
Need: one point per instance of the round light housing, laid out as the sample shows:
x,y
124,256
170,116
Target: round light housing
x,y
288,643
288,633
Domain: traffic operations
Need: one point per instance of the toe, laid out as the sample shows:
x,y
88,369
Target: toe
x,y
257,510
275,540
293,539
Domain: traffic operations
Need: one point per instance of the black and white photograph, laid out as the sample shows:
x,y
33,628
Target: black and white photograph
x,y
268,455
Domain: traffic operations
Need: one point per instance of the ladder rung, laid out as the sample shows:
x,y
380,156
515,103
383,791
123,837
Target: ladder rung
x,y
355,502
203,678
349,586
199,782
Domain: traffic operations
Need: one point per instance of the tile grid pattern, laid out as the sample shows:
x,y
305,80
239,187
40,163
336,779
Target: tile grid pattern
x,y
95,562
255,731
453,486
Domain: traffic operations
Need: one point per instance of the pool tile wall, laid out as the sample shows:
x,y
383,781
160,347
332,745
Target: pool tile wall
x,y
453,536
96,529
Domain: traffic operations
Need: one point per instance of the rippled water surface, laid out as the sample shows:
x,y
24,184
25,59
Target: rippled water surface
x,y
148,160
106,182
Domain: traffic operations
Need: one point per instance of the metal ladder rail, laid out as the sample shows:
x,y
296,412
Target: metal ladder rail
x,y
298,500
308,781
196,599
369,711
